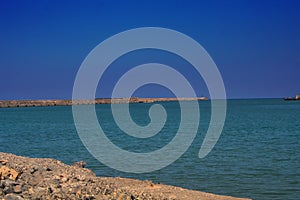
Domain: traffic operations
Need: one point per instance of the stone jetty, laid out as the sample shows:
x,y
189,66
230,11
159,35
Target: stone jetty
x,y
44,178
35,103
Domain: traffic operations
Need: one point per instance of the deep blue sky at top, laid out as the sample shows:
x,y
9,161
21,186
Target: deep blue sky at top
x,y
255,44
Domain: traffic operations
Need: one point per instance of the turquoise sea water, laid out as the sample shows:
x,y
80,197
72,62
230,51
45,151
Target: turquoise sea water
x,y
257,155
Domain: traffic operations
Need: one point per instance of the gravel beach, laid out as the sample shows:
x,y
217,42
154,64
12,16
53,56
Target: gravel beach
x,y
44,178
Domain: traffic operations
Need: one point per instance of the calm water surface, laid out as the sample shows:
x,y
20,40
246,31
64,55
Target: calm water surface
x,y
257,156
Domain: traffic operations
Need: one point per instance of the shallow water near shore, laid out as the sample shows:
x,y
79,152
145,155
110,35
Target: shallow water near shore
x,y
257,156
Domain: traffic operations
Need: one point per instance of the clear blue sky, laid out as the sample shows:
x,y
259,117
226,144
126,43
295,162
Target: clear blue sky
x,y
255,44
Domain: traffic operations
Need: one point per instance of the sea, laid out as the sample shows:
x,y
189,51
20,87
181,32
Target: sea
x,y
257,155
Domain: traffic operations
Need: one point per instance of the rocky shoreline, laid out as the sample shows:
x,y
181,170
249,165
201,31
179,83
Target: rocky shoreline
x,y
44,178
37,103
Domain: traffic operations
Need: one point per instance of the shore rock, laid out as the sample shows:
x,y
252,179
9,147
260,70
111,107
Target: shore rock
x,y
43,178
6,172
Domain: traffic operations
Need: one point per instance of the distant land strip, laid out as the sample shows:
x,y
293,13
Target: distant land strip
x,y
37,103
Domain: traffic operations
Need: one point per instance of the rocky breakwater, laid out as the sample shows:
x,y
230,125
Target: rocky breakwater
x,y
37,103
33,103
40,178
